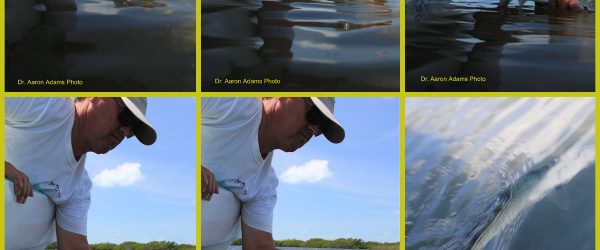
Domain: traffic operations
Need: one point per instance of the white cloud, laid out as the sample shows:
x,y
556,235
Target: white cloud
x,y
123,175
310,172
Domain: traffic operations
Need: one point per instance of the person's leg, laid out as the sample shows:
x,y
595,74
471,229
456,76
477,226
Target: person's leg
x,y
220,220
29,225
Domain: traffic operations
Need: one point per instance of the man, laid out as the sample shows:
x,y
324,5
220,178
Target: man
x,y
239,136
47,140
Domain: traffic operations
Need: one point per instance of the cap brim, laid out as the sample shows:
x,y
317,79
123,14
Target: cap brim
x,y
332,130
145,133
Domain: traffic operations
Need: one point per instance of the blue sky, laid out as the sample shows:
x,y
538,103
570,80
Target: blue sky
x,y
147,193
344,190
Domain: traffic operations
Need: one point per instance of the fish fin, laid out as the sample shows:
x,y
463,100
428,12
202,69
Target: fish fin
x,y
560,197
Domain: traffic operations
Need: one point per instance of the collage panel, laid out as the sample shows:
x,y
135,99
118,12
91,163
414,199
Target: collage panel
x,y
500,173
267,182
500,46
100,173
301,45
100,45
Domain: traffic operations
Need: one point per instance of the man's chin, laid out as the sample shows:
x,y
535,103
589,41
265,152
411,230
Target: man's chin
x,y
291,148
103,150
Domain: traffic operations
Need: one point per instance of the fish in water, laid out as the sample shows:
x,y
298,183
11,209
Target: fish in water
x,y
512,202
138,3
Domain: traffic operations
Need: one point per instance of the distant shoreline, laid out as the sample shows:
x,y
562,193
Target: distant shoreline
x,y
135,245
340,243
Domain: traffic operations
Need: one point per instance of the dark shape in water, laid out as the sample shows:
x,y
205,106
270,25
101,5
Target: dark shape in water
x,y
138,3
504,212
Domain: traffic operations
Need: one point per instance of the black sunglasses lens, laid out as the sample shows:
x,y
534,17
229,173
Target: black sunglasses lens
x,y
127,119
314,116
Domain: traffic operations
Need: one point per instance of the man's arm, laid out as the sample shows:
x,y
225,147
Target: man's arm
x,y
20,181
70,241
254,239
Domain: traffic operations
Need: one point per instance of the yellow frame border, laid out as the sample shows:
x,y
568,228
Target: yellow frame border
x,y
402,95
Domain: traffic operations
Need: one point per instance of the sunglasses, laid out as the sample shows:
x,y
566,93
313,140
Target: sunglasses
x,y
314,115
126,118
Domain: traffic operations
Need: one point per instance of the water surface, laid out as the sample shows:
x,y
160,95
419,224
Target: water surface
x,y
515,49
500,173
110,45
306,45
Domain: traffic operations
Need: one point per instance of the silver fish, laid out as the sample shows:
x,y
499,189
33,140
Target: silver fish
x,y
516,199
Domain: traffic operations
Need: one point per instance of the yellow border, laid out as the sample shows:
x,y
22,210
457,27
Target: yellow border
x,y
402,95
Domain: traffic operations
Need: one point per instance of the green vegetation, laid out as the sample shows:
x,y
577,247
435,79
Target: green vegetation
x,y
130,245
348,243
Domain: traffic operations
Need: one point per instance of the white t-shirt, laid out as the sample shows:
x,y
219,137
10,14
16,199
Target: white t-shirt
x,y
230,150
38,143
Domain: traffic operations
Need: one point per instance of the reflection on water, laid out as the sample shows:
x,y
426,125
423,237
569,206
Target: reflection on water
x,y
110,45
309,45
515,49
138,3
500,173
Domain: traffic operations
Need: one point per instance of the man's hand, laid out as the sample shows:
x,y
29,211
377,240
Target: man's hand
x,y
564,5
209,184
20,181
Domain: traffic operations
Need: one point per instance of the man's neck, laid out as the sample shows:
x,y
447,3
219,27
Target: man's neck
x,y
265,145
77,140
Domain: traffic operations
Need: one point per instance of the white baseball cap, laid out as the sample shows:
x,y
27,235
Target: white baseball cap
x,y
332,130
137,105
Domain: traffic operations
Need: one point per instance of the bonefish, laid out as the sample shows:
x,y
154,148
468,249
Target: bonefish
x,y
518,197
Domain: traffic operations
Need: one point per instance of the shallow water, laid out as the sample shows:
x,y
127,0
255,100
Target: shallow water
x,y
515,49
307,45
110,45
500,173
